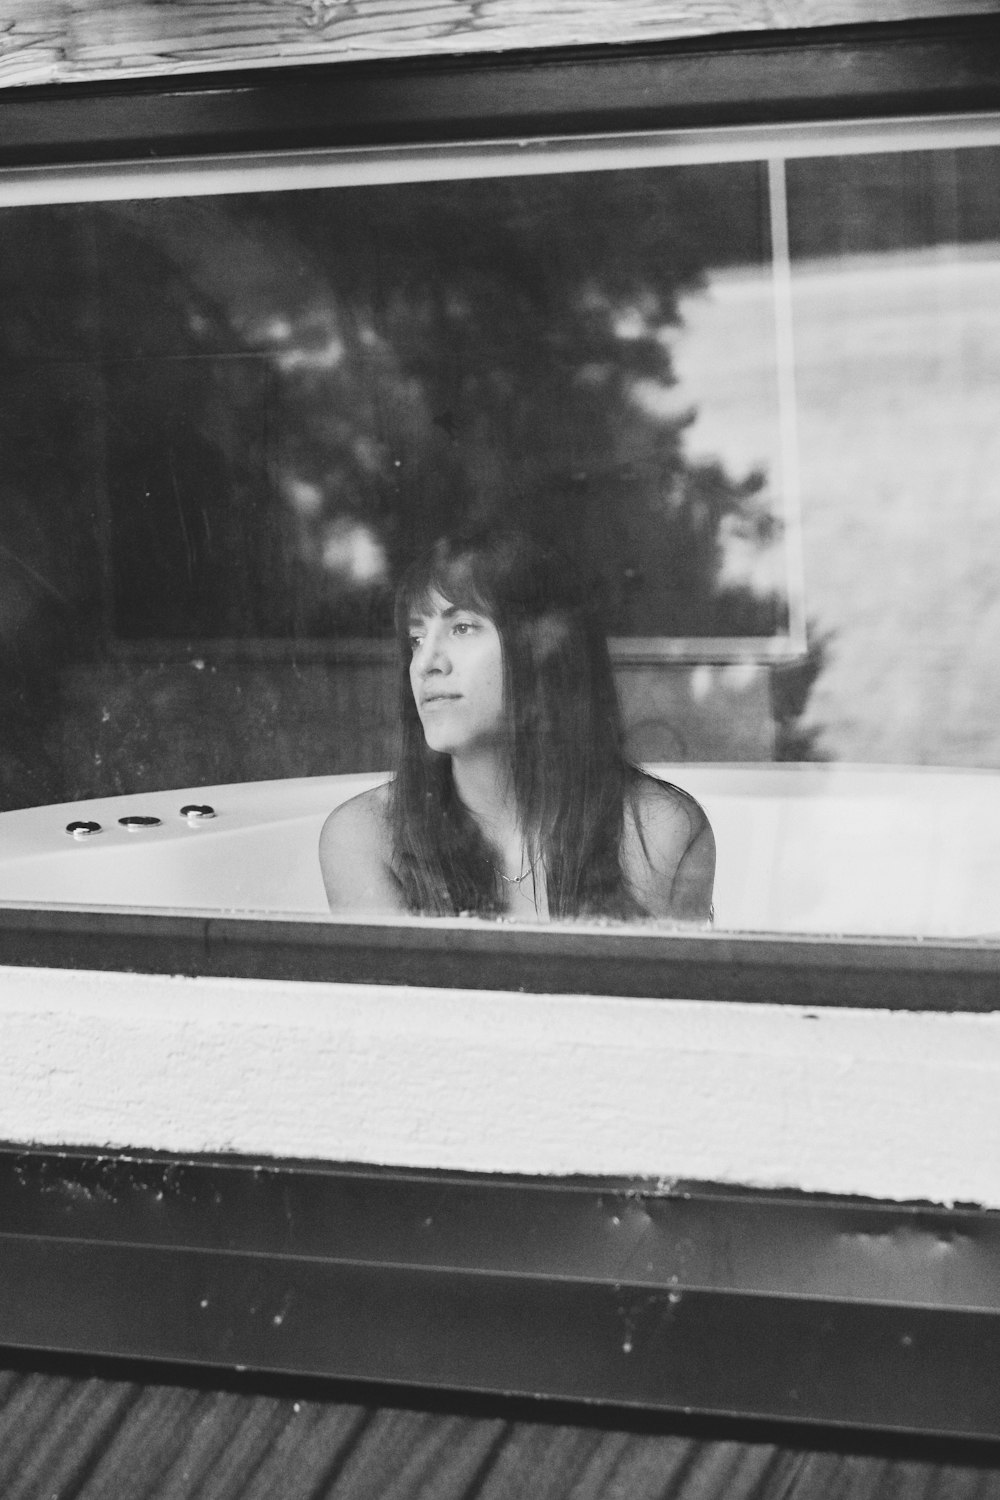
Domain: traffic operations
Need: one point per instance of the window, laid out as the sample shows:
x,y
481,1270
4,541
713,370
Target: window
x,y
745,377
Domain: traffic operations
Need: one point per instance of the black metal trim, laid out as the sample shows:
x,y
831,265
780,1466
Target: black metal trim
x,y
890,974
866,71
678,1298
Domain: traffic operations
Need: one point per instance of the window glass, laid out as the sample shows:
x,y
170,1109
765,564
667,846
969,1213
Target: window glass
x,y
750,395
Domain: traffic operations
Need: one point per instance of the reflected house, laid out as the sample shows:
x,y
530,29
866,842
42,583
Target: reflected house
x,y
748,378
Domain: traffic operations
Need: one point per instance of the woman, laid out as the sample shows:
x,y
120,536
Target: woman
x,y
512,797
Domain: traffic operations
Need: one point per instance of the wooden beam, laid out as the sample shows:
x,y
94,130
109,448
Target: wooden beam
x,y
45,41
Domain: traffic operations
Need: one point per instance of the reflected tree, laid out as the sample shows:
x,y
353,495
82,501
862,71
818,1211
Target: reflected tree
x,y
236,418
332,379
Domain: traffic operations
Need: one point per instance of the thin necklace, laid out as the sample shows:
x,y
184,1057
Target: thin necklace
x,y
515,879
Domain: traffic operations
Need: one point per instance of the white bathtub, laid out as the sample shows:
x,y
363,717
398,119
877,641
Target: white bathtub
x,y
802,848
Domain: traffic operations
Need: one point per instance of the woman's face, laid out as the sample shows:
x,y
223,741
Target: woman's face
x,y
456,673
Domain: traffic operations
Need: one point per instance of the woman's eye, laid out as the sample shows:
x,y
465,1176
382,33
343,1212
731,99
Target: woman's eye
x,y
463,627
415,641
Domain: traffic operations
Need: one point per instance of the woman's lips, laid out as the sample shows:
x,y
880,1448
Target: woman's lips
x,y
431,700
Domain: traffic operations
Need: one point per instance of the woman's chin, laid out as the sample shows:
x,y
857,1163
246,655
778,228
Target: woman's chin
x,y
459,746
438,740
449,733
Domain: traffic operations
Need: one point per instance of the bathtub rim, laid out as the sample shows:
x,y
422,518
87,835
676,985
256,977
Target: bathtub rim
x,y
33,841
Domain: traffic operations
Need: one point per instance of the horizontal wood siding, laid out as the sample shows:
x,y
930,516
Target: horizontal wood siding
x,y
43,41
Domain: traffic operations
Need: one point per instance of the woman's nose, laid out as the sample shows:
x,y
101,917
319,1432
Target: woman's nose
x,y
433,656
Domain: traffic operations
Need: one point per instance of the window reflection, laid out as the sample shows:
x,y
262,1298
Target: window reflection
x,y
232,421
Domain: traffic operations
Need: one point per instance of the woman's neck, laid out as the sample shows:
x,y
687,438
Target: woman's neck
x,y
485,786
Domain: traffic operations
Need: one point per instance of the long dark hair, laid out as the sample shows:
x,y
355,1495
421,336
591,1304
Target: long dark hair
x,y
569,777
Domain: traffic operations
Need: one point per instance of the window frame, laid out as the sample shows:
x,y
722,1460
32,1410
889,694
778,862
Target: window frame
x,y
899,974
876,70
113,1254
616,1299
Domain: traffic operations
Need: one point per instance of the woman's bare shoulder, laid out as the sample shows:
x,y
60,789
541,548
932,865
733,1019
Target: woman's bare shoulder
x,y
671,852
666,815
368,809
355,855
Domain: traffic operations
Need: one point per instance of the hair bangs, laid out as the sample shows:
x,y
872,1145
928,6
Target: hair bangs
x,y
455,575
